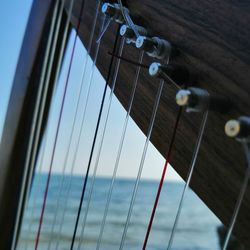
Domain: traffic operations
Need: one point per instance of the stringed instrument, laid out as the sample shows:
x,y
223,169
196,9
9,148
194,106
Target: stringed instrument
x,y
181,71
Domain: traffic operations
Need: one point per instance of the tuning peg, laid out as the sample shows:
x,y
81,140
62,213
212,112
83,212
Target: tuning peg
x,y
238,128
113,11
155,47
177,73
129,33
197,100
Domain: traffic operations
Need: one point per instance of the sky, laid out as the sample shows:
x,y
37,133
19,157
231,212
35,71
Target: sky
x,y
11,32
10,43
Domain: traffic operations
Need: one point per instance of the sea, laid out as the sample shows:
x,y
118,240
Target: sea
x,y
196,230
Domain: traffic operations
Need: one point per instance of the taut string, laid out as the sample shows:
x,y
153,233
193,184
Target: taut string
x,y
150,129
191,169
43,83
246,147
101,144
130,61
57,131
62,181
119,152
162,179
40,162
94,141
105,27
79,137
38,118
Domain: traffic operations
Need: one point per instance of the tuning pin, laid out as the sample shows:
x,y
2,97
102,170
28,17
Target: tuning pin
x,y
177,73
194,99
129,33
239,128
155,47
197,100
113,11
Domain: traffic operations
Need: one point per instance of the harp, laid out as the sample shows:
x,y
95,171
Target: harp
x,y
209,44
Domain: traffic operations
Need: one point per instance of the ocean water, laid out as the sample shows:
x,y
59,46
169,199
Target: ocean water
x,y
197,228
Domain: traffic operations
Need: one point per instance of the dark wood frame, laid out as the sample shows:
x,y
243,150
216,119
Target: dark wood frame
x,y
218,55
214,46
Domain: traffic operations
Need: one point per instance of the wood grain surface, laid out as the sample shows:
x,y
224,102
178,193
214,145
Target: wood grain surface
x,y
214,41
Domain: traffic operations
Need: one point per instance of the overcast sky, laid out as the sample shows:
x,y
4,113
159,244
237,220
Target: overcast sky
x,y
10,43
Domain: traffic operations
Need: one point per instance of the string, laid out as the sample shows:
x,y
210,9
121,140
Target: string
x,y
191,169
38,185
80,135
106,25
58,66
32,146
119,152
45,86
57,131
162,179
156,104
74,121
128,19
166,77
101,143
130,61
94,142
241,195
56,78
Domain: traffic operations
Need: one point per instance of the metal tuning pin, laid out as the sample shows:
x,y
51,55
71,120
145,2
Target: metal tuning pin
x,y
177,73
154,47
113,11
197,100
130,35
239,128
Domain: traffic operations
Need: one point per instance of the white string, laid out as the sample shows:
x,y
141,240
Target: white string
x,y
106,25
62,181
191,169
156,104
101,142
40,163
37,190
119,152
60,58
241,195
128,19
78,142
43,83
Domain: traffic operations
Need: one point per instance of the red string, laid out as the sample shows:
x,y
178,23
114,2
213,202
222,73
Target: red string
x,y
57,132
162,179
